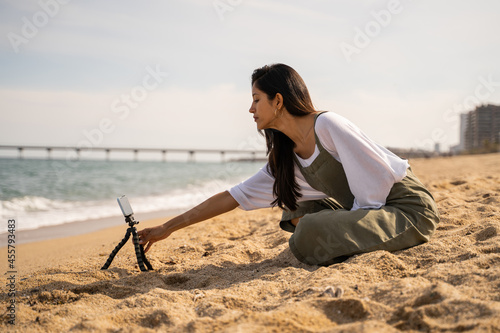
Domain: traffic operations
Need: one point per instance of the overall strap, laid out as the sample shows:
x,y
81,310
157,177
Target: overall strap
x,y
322,150
318,143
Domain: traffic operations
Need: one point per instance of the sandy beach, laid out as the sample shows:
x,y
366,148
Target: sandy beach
x,y
235,273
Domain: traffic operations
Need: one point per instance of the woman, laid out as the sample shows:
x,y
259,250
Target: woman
x,y
341,193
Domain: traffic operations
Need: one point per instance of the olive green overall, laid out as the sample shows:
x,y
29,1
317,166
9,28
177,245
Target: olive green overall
x,y
329,231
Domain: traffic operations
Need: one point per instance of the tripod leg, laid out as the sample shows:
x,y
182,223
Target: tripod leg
x,y
138,254
116,249
146,261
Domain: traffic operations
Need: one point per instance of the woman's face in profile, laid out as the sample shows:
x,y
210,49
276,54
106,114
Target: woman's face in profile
x,y
262,109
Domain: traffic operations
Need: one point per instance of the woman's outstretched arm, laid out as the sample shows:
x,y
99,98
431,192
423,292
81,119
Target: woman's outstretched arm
x,y
218,204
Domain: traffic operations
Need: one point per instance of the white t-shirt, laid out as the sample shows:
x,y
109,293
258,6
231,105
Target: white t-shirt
x,y
371,169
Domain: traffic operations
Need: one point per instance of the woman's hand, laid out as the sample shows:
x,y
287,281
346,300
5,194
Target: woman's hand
x,y
149,236
215,205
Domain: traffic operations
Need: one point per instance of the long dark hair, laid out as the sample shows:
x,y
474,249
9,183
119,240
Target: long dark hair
x,y
283,79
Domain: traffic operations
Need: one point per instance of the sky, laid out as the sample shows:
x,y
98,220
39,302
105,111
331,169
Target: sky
x,y
176,74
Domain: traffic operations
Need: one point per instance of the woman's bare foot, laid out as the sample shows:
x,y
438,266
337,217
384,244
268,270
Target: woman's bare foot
x,y
295,221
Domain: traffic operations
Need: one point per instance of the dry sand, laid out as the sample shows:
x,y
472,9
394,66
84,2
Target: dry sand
x,y
235,273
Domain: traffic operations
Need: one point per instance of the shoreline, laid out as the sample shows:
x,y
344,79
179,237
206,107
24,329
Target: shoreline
x,y
69,229
43,252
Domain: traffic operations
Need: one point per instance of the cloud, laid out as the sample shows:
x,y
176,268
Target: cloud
x,y
91,52
213,118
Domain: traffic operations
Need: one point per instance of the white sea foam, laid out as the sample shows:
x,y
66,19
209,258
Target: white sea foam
x,y
33,212
39,193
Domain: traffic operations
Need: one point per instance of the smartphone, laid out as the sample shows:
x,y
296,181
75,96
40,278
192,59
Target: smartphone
x,y
125,206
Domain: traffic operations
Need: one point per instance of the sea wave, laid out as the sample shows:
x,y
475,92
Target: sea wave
x,y
32,212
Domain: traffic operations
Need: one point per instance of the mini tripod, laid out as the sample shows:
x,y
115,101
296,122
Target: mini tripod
x,y
139,249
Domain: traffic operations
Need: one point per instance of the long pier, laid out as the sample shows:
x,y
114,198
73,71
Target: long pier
x,y
252,154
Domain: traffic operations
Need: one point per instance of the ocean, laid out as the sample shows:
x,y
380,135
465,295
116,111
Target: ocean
x,y
38,192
